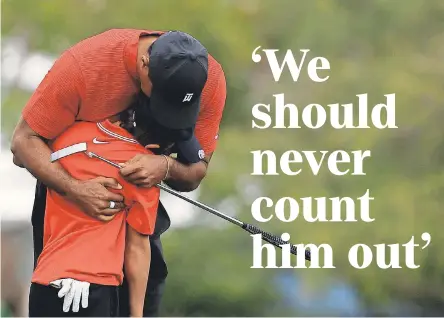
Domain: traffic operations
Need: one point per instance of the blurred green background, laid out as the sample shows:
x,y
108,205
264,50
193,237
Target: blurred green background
x,y
376,47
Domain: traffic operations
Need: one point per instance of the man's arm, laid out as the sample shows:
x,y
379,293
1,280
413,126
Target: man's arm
x,y
31,151
52,109
147,170
186,178
137,268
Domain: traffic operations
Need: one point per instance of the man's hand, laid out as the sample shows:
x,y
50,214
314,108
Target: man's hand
x,y
95,199
145,170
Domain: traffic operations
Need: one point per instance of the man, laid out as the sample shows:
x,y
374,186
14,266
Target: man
x,y
99,77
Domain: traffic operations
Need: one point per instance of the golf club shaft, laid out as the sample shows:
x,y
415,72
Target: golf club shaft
x,y
270,238
200,205
178,194
93,155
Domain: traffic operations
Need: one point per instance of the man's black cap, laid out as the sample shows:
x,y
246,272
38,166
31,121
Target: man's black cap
x,y
178,70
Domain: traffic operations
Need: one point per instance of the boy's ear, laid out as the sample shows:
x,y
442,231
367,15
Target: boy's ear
x,y
127,119
145,61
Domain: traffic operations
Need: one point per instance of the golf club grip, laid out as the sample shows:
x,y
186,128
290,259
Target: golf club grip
x,y
273,239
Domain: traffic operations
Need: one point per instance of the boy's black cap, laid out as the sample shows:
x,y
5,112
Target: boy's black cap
x,y
178,70
189,151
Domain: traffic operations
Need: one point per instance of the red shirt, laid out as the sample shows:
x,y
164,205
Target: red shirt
x,y
97,78
76,245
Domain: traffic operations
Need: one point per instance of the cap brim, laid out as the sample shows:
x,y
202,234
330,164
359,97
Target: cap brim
x,y
189,151
173,116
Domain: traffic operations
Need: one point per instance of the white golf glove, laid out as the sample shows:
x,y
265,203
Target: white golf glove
x,y
73,291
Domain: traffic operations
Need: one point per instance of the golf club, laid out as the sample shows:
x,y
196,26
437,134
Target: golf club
x,y
268,237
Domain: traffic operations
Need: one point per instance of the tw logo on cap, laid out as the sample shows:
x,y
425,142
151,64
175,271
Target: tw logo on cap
x,y
187,97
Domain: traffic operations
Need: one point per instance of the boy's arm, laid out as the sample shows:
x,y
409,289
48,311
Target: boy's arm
x,y
137,267
141,220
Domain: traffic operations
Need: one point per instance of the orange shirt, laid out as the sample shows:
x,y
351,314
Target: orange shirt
x,y
76,245
97,78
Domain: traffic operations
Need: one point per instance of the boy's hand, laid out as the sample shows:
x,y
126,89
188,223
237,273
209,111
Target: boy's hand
x,y
74,291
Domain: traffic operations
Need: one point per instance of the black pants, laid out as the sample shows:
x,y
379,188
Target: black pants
x,y
158,268
103,301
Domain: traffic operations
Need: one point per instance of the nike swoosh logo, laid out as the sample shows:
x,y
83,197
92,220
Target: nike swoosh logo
x,y
95,141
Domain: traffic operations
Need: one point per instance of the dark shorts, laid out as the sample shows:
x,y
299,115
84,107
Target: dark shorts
x,y
103,301
158,268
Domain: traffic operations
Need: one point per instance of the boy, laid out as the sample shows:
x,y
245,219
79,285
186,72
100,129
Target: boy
x,y
82,251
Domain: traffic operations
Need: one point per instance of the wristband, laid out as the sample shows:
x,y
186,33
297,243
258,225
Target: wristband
x,y
168,167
